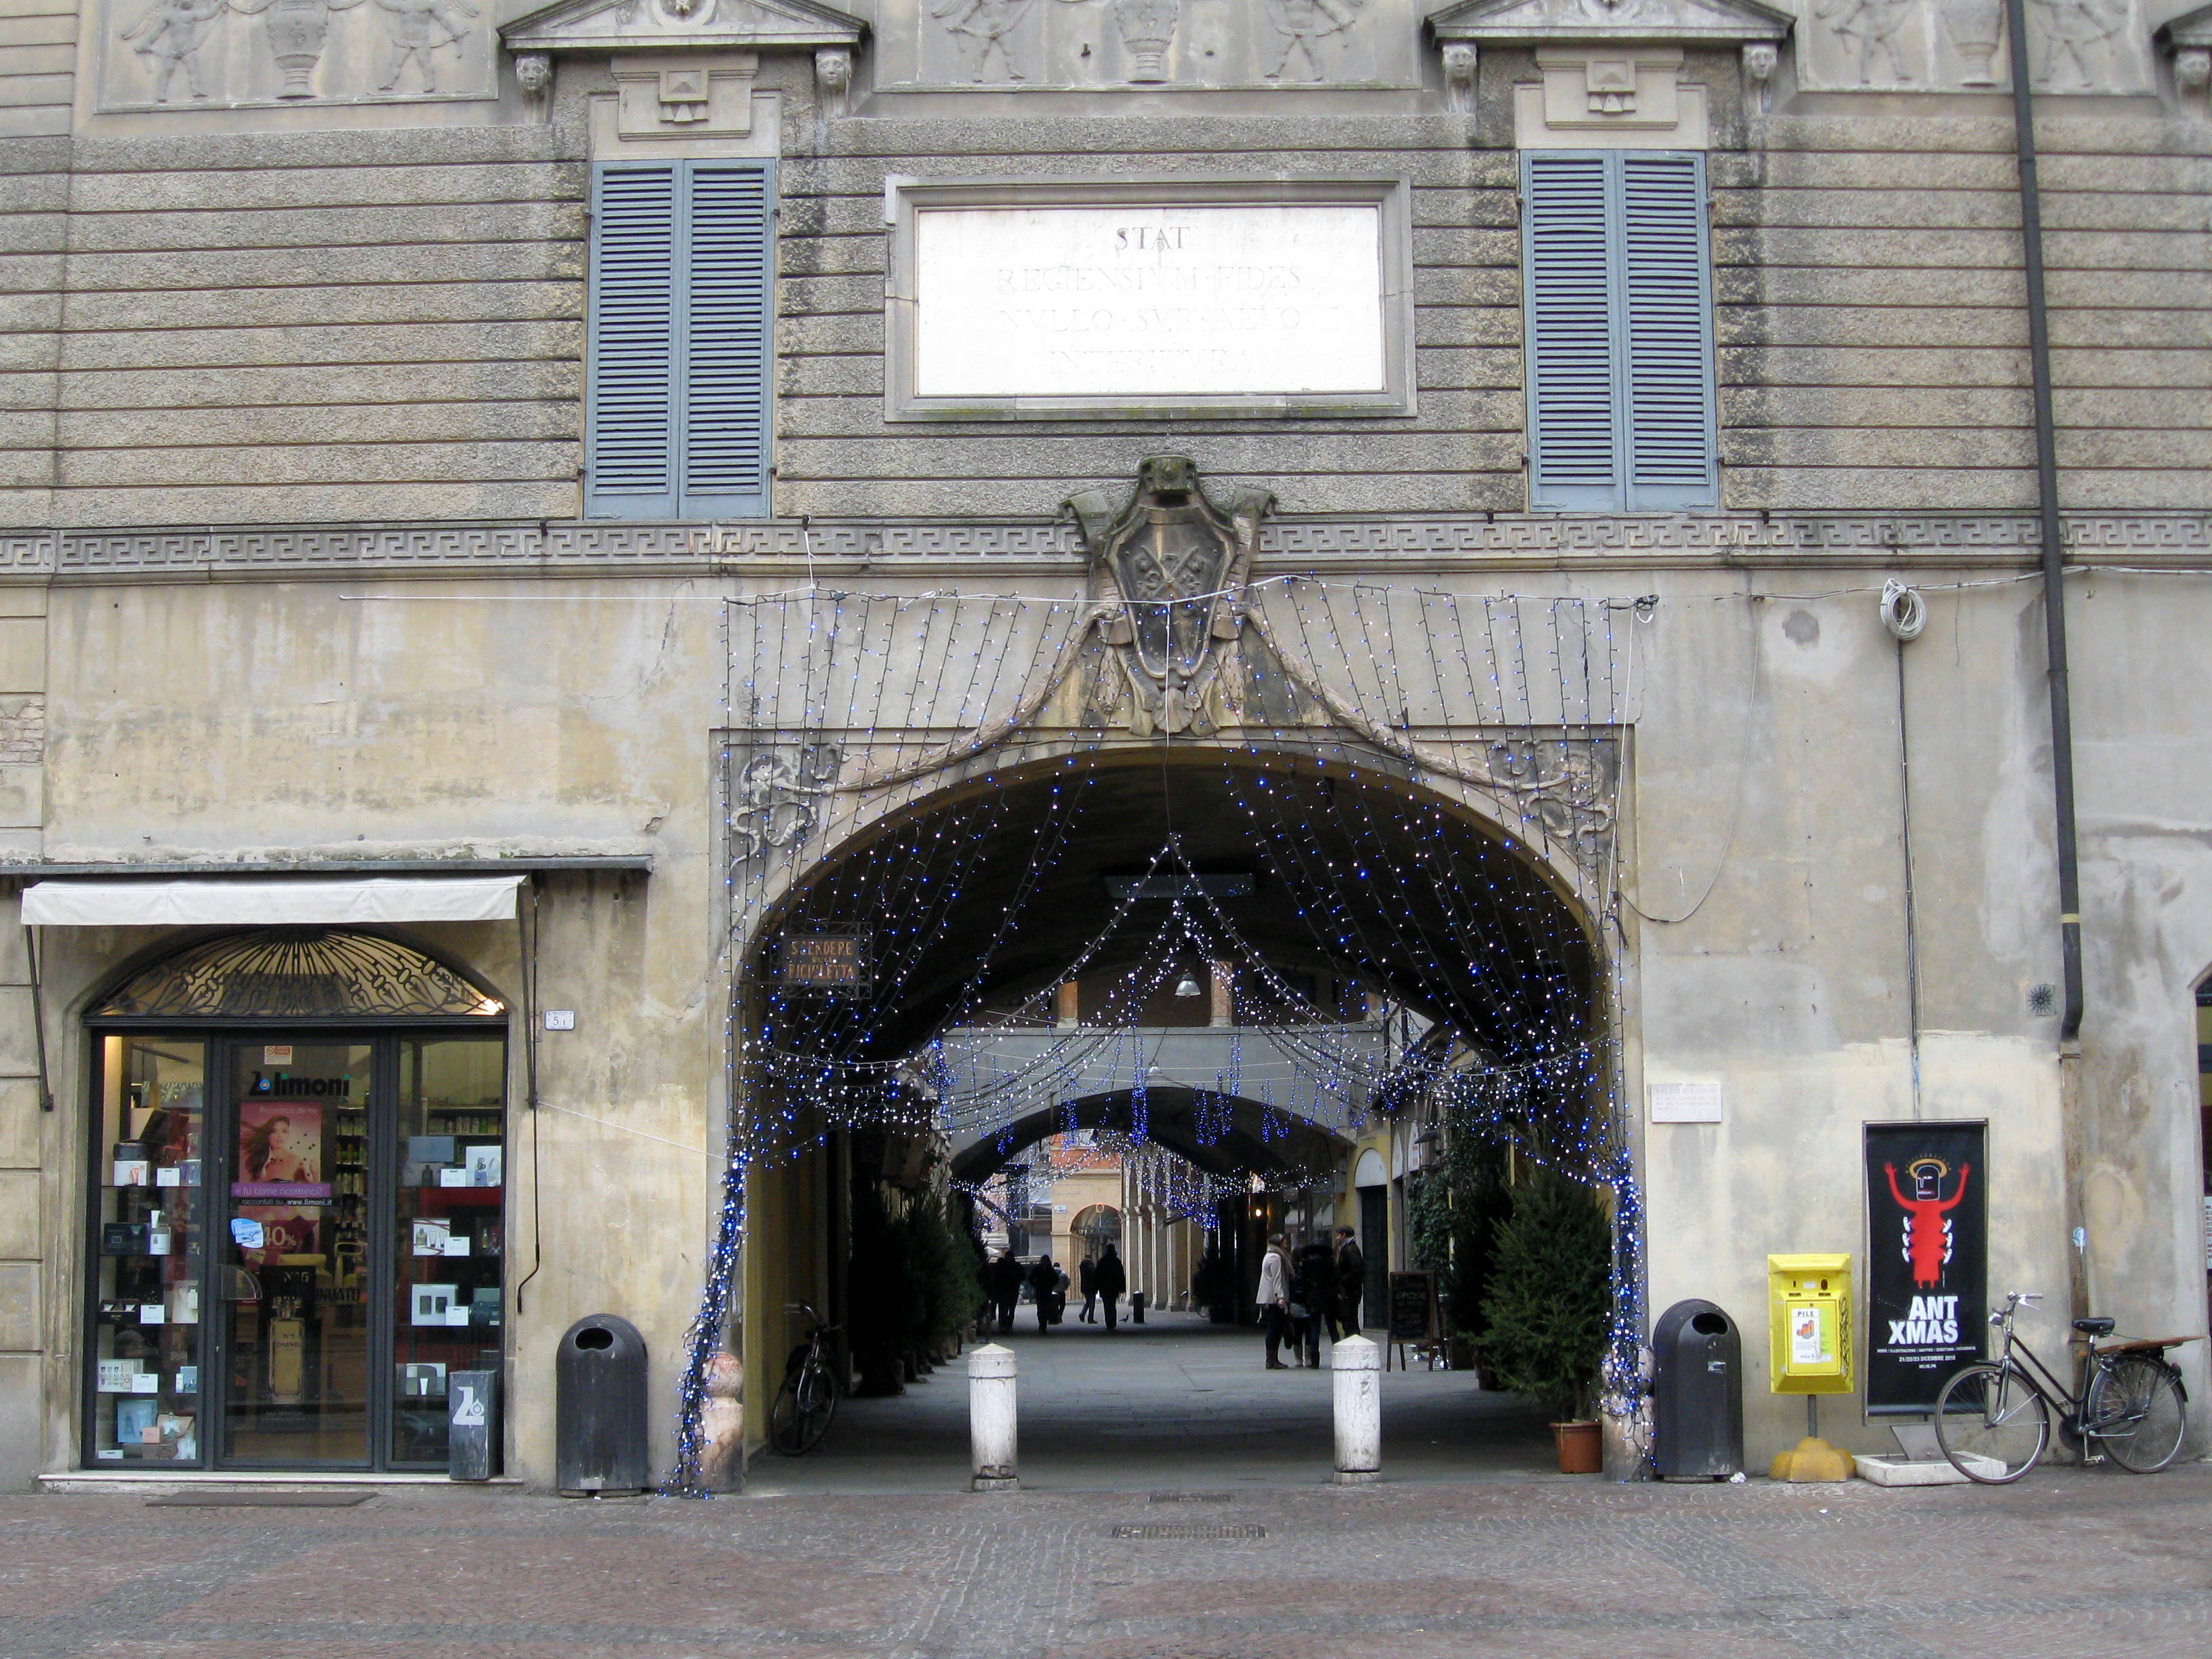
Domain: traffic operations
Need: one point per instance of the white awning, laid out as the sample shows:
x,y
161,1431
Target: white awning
x,y
71,904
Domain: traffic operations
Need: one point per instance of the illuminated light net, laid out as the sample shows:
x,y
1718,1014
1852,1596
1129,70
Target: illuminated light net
x,y
914,770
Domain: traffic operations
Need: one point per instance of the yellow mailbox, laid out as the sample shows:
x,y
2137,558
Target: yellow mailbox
x,y
1809,1306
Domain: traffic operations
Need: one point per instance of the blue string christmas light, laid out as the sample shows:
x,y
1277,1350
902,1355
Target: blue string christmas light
x,y
1523,1000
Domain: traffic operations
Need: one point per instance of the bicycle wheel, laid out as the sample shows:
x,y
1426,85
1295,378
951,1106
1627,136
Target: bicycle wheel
x,y
1991,1425
2135,1413
800,1417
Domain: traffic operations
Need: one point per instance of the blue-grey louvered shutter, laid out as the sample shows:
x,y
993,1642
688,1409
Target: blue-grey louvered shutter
x,y
725,408
1568,312
1667,311
631,443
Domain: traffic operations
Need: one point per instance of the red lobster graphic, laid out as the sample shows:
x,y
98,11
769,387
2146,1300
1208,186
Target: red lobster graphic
x,y
1927,1235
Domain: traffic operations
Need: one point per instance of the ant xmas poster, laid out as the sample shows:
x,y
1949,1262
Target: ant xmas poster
x,y
1927,1290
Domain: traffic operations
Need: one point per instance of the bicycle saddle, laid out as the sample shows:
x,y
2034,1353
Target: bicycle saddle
x,y
2095,1326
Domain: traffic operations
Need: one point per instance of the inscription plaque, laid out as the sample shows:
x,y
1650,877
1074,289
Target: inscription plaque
x,y
1141,307
1025,303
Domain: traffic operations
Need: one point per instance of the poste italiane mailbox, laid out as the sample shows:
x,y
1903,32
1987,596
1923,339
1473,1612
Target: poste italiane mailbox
x,y
1809,1305
1808,1321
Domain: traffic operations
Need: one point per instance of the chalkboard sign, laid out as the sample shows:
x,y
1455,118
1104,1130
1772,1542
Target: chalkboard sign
x,y
1413,1307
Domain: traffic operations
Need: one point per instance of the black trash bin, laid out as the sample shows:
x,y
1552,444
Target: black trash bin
x,y
599,1409
1136,1307
1698,1394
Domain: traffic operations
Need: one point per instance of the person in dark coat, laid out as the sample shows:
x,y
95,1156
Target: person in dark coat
x,y
1111,1280
1351,1284
1087,1272
1005,1288
1044,1281
1313,1287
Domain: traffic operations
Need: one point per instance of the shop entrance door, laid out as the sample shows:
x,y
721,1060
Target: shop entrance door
x,y
351,1257
294,1291
362,1252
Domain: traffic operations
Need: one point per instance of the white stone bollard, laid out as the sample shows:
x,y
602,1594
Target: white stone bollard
x,y
990,1417
1358,1366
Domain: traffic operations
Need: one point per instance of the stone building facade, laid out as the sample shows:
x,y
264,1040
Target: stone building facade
x,y
316,569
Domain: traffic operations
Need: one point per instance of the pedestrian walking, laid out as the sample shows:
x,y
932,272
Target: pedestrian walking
x,y
1275,1298
1313,1292
1005,1288
1113,1278
1087,1272
1060,1282
1351,1284
1045,1280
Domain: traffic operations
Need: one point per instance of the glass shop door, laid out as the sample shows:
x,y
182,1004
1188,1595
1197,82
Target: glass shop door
x,y
293,1267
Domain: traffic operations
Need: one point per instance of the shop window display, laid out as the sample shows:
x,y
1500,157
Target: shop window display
x,y
298,1231
450,1235
150,1249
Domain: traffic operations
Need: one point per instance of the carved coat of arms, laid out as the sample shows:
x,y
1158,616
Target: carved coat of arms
x,y
1174,563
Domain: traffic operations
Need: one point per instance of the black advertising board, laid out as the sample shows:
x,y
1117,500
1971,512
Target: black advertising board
x,y
1927,1284
1413,1307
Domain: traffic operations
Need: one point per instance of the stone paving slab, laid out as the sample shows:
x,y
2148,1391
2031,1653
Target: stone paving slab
x,y
2074,1562
1178,1402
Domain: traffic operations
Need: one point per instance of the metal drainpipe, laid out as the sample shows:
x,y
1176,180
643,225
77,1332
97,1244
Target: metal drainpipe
x,y
2054,548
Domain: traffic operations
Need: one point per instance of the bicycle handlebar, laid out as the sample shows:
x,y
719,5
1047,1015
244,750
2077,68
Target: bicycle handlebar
x,y
2014,1300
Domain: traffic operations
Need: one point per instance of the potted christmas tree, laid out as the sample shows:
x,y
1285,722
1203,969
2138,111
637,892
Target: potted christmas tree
x,y
1549,1302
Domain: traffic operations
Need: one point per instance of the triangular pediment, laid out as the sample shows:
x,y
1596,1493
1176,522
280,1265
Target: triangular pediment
x,y
2192,28
1720,22
649,25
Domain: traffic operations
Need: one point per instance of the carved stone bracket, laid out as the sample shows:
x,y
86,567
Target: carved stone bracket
x,y
2188,40
533,73
1460,63
833,81
1760,59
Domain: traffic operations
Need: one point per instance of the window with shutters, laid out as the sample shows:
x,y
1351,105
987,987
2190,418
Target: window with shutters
x,y
677,417
1617,306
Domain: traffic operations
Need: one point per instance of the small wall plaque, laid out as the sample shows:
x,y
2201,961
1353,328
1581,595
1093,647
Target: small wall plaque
x,y
828,962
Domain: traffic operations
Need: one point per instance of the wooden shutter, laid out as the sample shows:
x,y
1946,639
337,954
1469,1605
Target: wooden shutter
x,y
1617,300
1666,308
724,412
679,341
1567,305
631,424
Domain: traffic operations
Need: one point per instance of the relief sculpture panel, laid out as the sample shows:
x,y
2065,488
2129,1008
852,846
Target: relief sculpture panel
x,y
183,54
1946,45
1060,44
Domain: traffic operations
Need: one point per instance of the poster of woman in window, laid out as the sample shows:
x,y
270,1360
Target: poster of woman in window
x,y
280,1151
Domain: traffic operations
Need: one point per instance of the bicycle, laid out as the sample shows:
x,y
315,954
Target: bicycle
x,y
808,1399
1993,1418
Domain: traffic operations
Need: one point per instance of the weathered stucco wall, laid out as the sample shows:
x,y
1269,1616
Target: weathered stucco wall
x,y
233,720
221,719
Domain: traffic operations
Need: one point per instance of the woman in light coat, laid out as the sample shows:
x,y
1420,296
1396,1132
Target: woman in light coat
x,y
1275,1298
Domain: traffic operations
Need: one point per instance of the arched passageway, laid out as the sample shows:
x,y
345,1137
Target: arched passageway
x,y
1239,957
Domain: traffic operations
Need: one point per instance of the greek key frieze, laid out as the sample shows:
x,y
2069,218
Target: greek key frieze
x,y
1376,542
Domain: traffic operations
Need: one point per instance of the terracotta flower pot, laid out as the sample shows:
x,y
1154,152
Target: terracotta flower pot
x,y
1580,1450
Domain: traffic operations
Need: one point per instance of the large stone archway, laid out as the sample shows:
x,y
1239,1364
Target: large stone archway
x,y
941,806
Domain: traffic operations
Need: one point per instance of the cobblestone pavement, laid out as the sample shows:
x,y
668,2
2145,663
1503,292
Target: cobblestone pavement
x,y
2073,1562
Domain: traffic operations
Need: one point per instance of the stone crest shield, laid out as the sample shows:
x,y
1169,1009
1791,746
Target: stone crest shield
x,y
1174,563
